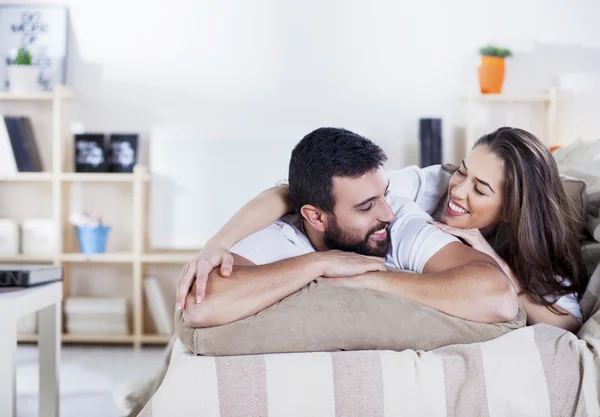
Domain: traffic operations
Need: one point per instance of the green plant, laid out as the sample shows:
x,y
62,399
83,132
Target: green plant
x,y
492,50
23,57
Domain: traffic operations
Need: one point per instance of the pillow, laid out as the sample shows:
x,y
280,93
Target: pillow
x,y
576,190
323,316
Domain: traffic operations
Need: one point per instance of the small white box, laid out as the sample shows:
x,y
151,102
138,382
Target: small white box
x,y
38,237
9,237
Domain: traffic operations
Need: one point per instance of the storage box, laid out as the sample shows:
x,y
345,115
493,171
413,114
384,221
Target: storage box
x,y
38,237
9,237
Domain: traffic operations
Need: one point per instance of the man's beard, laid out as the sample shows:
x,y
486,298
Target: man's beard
x,y
336,238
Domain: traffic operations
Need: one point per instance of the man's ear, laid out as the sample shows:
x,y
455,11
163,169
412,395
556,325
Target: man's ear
x,y
316,217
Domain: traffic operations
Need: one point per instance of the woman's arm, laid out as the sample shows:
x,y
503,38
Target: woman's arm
x,y
535,313
255,215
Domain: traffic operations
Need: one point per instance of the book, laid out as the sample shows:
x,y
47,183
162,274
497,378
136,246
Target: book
x,y
27,129
28,275
19,144
163,321
8,163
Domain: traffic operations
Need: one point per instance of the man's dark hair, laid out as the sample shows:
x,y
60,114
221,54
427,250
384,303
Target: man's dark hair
x,y
323,154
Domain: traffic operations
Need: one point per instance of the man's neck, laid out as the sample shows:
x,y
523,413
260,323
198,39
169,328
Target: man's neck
x,y
315,237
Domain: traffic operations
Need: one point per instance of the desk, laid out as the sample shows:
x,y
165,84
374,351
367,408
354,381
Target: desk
x,y
16,302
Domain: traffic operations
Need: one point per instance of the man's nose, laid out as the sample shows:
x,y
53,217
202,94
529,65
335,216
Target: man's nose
x,y
387,215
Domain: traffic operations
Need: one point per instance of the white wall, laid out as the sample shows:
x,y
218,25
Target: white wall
x,y
271,70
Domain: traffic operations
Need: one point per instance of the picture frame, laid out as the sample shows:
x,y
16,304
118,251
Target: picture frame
x,y
43,29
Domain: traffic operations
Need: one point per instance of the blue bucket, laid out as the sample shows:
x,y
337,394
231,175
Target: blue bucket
x,y
93,239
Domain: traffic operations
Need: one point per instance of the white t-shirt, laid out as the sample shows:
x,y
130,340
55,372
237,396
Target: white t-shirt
x,y
413,241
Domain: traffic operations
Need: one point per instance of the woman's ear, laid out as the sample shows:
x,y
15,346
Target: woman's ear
x,y
315,216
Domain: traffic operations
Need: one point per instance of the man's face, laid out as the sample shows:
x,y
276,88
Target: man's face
x,y
361,215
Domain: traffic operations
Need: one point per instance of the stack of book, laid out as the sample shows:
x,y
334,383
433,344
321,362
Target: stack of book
x,y
163,319
18,149
96,315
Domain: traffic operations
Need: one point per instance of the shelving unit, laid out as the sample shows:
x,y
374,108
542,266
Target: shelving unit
x,y
61,177
548,99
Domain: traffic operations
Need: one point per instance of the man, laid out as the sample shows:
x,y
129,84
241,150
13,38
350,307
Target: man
x,y
344,226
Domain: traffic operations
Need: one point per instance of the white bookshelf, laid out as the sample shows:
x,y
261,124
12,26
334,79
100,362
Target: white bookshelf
x,y
548,99
60,178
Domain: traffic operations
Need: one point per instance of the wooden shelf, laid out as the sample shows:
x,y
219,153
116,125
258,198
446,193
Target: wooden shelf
x,y
169,257
100,338
27,177
100,177
26,258
156,339
119,257
509,98
61,92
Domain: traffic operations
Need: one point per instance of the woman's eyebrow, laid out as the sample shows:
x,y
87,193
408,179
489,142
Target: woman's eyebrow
x,y
480,180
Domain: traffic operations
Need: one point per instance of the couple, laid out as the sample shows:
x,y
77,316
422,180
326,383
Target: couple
x,y
505,201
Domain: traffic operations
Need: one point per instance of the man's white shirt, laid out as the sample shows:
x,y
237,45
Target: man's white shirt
x,y
413,240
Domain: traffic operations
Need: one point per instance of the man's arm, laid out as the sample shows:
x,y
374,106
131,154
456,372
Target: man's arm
x,y
249,289
252,288
457,280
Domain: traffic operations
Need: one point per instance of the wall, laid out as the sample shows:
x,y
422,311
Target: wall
x,y
270,71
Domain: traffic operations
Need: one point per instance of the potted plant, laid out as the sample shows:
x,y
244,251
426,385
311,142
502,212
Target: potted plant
x,y
491,70
22,75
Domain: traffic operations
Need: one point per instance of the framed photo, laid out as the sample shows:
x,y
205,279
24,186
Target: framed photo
x,y
43,31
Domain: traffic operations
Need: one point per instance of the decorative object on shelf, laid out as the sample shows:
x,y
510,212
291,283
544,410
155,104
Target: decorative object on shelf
x,y
91,232
23,144
123,152
28,275
430,141
9,237
22,75
492,69
43,31
90,153
38,237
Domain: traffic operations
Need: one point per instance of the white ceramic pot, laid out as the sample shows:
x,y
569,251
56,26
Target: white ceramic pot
x,y
22,78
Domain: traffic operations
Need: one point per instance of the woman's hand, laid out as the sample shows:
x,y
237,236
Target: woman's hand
x,y
475,239
198,269
472,237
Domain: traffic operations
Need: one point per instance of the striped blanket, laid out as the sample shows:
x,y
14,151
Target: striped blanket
x,y
533,371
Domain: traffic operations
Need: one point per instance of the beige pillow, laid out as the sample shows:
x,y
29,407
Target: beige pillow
x,y
326,317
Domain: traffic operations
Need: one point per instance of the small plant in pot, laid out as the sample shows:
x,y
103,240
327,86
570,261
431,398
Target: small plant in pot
x,y
22,75
492,68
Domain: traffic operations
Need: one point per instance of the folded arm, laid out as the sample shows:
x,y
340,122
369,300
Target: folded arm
x,y
457,280
250,289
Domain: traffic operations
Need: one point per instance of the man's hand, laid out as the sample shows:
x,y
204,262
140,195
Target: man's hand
x,y
197,270
339,264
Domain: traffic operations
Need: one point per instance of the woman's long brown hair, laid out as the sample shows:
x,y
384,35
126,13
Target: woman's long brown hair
x,y
540,237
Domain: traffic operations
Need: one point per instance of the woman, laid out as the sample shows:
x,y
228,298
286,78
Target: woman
x,y
505,199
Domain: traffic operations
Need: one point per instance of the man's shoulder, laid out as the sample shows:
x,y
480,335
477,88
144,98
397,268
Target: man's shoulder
x,y
280,240
404,207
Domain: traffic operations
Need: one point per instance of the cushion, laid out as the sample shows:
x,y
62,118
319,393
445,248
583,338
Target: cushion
x,y
576,190
323,316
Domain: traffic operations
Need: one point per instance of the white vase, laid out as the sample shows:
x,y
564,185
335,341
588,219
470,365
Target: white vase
x,y
22,78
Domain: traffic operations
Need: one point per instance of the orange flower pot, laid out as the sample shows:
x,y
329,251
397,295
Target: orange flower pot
x,y
491,74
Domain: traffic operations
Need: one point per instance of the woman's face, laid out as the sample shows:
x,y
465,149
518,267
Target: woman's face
x,y
475,197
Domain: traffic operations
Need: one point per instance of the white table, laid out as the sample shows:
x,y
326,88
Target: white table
x,y
17,302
